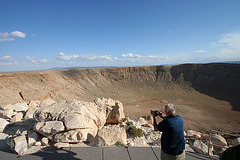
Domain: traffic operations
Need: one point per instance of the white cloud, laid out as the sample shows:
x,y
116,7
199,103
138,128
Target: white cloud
x,y
6,58
17,34
32,59
105,57
200,51
130,55
164,57
43,61
11,36
231,40
228,47
89,57
62,56
93,57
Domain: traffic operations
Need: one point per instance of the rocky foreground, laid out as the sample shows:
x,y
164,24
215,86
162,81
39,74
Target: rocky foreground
x,y
29,127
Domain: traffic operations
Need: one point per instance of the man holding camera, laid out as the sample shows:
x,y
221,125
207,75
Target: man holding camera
x,y
172,140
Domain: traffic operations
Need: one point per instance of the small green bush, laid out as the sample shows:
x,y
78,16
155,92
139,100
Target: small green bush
x,y
132,130
119,144
135,132
11,143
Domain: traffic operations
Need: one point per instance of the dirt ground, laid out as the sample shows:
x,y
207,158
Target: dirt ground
x,y
199,112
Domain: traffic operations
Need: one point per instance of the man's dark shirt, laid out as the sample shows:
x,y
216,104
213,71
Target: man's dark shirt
x,y
172,140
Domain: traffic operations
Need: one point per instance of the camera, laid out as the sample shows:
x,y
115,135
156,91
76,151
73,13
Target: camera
x,y
157,113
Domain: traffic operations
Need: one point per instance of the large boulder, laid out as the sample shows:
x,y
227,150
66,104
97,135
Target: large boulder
x,y
116,115
74,121
106,104
49,112
49,128
218,140
80,110
74,136
200,147
3,124
75,114
109,135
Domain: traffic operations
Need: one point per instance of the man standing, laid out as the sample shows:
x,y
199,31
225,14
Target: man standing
x,y
172,140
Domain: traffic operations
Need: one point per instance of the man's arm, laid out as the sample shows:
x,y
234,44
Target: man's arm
x,y
161,125
154,122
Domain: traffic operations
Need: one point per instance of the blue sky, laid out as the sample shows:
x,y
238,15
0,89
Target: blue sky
x,y
37,35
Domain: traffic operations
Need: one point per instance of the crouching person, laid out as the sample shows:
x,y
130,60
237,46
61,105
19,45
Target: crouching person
x,y
172,140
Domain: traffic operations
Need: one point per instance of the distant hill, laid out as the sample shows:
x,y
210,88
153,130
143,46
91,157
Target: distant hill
x,y
60,68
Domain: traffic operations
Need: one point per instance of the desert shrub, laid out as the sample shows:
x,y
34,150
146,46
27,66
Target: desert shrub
x,y
131,129
11,143
119,144
135,132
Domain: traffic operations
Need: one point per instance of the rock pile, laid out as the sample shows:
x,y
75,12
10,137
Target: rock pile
x,y
37,124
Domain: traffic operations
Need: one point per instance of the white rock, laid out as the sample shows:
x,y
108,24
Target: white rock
x,y
20,144
17,117
49,128
50,113
236,141
47,102
32,137
218,140
144,123
30,112
109,135
3,136
7,114
102,102
38,143
3,124
18,107
72,136
194,134
44,141
7,107
106,104
116,115
74,121
85,109
138,142
33,103
61,145
200,147
188,148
